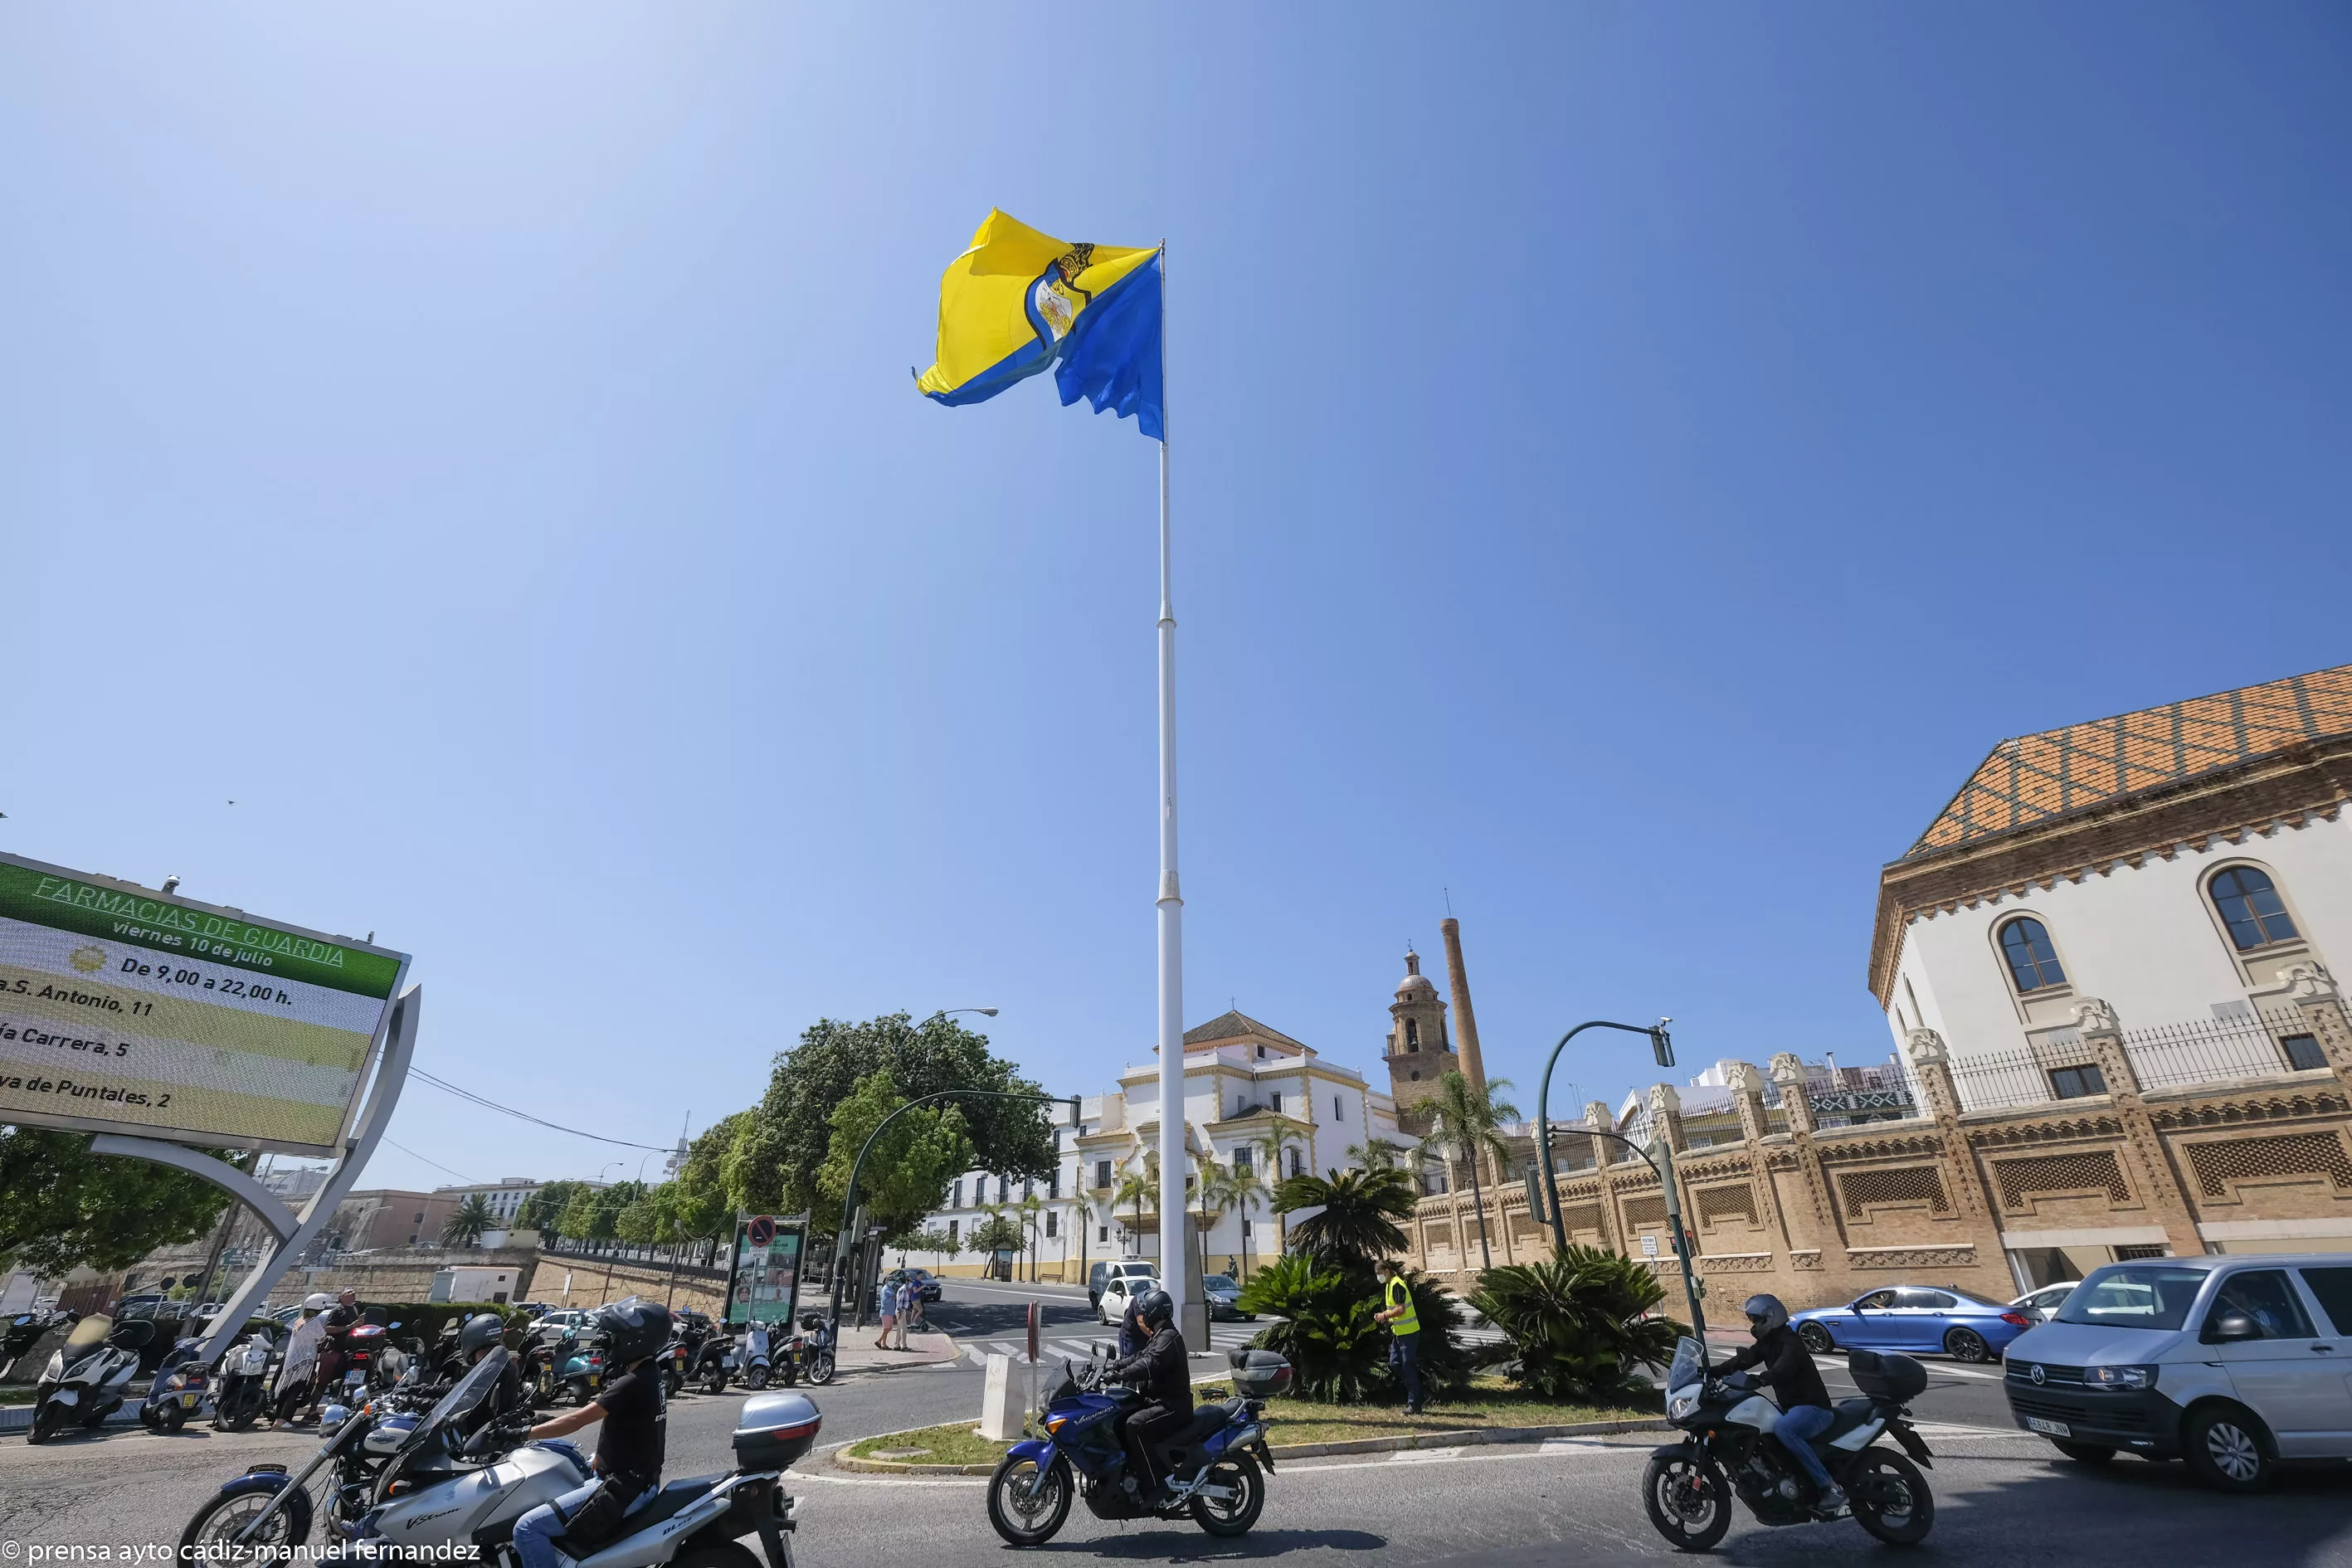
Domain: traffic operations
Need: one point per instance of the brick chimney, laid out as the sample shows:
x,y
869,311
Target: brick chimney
x,y
1465,1022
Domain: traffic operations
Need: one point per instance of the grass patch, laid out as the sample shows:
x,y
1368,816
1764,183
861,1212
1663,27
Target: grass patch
x,y
16,1395
1490,1403
958,1443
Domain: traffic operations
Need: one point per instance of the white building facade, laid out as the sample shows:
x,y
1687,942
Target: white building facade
x,y
1249,1091
2173,868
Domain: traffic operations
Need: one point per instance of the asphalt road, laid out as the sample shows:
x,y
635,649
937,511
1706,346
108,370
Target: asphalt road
x,y
2001,1495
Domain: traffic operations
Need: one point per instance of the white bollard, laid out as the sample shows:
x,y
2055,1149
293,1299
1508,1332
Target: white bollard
x,y
1001,1410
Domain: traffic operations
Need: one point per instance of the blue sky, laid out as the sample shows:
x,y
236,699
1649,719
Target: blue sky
x,y
1630,465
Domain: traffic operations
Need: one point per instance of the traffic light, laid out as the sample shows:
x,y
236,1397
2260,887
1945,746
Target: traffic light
x,y
1536,1196
1662,1044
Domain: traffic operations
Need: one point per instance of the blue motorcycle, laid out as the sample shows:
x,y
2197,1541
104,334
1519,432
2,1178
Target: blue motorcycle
x,y
1215,1465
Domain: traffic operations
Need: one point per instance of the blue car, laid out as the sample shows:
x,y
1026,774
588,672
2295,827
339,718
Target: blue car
x,y
1914,1318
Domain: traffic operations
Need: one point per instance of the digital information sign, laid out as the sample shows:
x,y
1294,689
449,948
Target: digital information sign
x,y
125,1011
764,1273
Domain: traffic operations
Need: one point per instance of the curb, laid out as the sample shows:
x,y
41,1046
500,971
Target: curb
x,y
1473,1436
16,1418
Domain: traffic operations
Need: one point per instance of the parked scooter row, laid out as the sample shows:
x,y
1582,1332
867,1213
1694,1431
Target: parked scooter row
x,y
21,1333
87,1376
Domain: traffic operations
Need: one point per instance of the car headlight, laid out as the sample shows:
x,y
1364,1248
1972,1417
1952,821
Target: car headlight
x,y
1681,1403
2119,1376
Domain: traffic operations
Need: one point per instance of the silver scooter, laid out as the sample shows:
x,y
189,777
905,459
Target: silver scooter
x,y
87,1377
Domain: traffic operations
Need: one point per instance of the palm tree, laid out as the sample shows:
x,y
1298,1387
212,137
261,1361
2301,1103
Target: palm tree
x,y
1358,1217
1463,1123
1227,1187
1280,1133
1375,1155
1030,1206
463,1227
1136,1187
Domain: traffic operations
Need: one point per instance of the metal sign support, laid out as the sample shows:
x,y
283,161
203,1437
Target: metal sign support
x,y
294,1231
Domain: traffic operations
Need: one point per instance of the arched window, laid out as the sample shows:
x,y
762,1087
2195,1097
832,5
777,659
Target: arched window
x,y
2032,962
2251,906
1412,1033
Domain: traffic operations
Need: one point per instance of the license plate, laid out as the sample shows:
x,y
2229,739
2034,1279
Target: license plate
x,y
187,1402
2047,1428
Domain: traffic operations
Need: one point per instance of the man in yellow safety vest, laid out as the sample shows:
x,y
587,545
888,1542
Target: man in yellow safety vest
x,y
1405,1330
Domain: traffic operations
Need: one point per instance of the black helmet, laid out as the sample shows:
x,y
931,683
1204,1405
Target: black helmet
x,y
1155,1309
633,1328
1765,1313
482,1331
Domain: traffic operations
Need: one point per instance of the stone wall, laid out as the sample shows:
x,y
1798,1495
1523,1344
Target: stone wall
x,y
1817,1216
403,1275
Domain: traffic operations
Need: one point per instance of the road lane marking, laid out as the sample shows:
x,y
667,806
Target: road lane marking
x,y
1424,1456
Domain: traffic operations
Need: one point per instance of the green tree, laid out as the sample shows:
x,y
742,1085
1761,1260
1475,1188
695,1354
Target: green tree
x,y
1466,1124
1138,1187
466,1222
543,1210
61,1205
1359,1211
938,1241
1578,1323
595,1214
774,1166
908,1167
998,1232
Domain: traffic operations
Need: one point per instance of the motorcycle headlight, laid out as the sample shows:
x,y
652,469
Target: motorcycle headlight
x,y
1681,1403
56,1371
2119,1376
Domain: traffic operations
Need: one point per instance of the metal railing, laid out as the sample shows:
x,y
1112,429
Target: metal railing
x,y
2220,1050
2235,1049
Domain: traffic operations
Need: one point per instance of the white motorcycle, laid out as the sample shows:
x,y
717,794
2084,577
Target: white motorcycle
x,y
241,1393
89,1374
440,1489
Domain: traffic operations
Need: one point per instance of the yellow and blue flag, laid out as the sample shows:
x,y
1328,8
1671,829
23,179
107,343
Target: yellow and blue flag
x,y
1018,302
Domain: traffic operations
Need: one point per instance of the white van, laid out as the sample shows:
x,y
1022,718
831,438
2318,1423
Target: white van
x,y
2233,1364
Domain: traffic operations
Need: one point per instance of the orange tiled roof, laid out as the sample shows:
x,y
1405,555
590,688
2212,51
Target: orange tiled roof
x,y
2034,777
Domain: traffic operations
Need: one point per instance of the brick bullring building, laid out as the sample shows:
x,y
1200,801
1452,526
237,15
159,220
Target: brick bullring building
x,y
2105,965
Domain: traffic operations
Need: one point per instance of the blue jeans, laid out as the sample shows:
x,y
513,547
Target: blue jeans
x,y
1794,1428
535,1533
1404,1356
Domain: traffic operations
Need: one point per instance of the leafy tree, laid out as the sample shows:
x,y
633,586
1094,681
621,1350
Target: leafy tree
x,y
1466,1121
595,1214
999,1232
908,1167
1579,1323
1359,1211
543,1210
466,1224
702,1200
61,1205
938,1241
775,1166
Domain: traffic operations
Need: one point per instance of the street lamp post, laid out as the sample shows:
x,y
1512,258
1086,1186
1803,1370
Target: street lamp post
x,y
1662,1163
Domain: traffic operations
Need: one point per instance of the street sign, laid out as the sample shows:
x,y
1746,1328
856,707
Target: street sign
x,y
124,1010
1649,1246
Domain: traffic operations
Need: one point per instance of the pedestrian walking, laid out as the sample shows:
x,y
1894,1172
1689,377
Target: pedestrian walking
x,y
1404,1332
910,1305
886,1303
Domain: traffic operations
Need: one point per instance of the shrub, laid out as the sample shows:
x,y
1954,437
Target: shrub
x,y
1577,1322
1336,1351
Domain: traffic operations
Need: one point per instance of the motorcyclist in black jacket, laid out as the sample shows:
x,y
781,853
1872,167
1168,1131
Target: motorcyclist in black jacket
x,y
1787,1368
1161,1370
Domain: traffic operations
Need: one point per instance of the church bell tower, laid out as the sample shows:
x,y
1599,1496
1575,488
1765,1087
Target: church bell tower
x,y
1419,1050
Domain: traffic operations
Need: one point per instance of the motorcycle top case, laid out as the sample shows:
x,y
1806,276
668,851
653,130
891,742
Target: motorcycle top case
x,y
1258,1374
774,1429
1896,1377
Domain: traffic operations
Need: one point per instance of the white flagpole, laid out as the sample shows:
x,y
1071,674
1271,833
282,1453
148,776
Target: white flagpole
x,y
1174,1274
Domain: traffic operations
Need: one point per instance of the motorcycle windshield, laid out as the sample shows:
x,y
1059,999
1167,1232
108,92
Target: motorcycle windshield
x,y
87,1336
471,1390
1689,1365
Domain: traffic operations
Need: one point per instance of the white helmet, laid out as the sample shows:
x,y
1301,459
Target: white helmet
x,y
316,1301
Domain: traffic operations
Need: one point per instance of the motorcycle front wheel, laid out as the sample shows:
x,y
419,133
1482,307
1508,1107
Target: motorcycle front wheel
x,y
1239,1473
820,1371
1027,1505
1687,1499
210,1535
46,1422
757,1378
1891,1499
